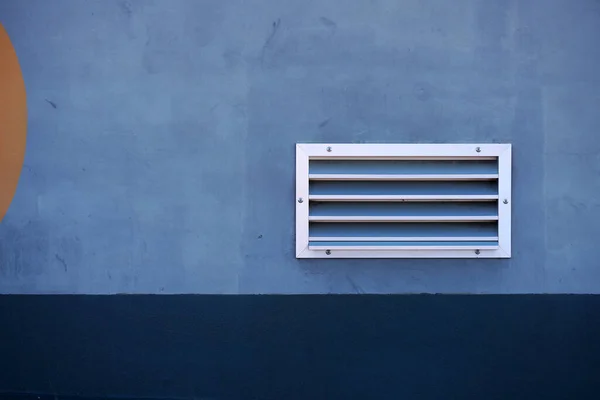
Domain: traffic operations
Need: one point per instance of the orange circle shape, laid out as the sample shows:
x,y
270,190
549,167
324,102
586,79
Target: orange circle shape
x,y
13,121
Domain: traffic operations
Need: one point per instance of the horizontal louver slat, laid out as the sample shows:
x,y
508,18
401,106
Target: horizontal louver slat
x,y
403,211
390,231
402,191
403,167
403,170
390,177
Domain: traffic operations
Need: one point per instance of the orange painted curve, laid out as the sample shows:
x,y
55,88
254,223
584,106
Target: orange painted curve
x,y
13,121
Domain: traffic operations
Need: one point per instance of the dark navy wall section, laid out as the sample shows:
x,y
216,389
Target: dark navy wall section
x,y
160,154
302,347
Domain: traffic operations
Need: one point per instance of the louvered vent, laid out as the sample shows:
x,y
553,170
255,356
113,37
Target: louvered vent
x,y
397,200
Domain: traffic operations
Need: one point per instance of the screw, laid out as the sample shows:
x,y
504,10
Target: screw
x,y
478,149
477,252
328,252
329,149
300,200
505,201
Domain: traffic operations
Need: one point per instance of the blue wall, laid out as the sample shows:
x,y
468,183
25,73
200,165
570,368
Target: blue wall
x,y
161,139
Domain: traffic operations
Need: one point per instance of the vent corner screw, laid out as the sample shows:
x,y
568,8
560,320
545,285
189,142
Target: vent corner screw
x,y
329,149
505,201
300,200
477,252
328,252
478,149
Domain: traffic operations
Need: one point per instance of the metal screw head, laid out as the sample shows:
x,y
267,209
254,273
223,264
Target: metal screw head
x,y
329,149
478,149
477,252
328,252
505,201
300,200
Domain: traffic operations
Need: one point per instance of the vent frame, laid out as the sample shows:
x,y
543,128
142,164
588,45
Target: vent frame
x,y
305,152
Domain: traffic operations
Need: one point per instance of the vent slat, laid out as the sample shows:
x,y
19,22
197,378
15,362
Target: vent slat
x,y
402,211
410,231
391,177
380,245
400,190
403,167
343,170
441,218
427,198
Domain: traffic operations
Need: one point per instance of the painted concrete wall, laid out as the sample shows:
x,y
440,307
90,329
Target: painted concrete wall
x,y
161,139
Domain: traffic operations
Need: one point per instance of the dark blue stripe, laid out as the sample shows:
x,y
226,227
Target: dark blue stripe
x,y
306,347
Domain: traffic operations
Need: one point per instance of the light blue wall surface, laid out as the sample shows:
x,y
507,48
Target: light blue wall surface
x,y
160,153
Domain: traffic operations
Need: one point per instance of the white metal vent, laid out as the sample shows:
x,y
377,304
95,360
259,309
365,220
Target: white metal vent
x,y
403,200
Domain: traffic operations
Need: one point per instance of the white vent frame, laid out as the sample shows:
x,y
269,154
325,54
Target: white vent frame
x,y
332,151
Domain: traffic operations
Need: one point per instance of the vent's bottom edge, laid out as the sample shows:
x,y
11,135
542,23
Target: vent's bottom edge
x,y
394,245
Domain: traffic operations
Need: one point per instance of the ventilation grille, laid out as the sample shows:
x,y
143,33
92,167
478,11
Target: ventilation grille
x,y
404,204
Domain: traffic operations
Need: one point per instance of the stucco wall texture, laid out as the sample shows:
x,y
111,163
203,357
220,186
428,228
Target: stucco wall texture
x,y
160,149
